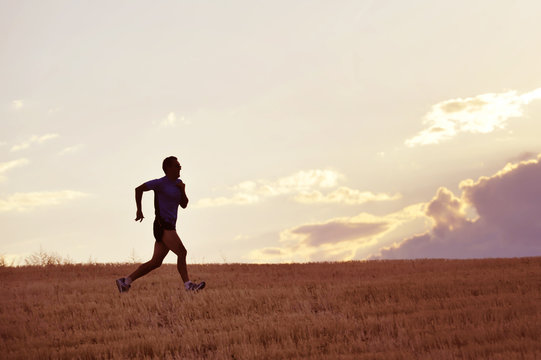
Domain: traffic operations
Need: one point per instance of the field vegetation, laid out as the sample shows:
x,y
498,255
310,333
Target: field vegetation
x,y
400,309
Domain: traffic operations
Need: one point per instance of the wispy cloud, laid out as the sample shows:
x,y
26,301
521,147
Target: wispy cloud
x,y
35,139
306,186
507,222
6,166
55,110
479,114
250,192
344,195
171,120
71,149
17,104
20,202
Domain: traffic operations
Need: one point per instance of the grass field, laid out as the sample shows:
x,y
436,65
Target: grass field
x,y
421,309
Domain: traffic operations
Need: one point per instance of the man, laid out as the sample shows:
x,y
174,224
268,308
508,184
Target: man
x,y
169,193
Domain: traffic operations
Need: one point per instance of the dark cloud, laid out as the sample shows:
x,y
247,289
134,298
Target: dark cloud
x,y
336,231
508,205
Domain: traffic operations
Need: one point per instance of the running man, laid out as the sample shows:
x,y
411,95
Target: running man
x,y
169,193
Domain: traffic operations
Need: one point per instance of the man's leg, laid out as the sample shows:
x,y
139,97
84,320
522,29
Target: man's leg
x,y
160,251
172,242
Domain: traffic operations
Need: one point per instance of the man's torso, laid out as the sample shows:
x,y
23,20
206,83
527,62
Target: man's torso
x,y
167,196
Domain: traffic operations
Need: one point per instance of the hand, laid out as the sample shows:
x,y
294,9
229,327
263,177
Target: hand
x,y
181,186
139,217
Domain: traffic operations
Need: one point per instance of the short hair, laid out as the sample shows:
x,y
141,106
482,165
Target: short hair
x,y
168,161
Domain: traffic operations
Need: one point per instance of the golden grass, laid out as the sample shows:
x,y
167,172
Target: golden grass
x,y
421,309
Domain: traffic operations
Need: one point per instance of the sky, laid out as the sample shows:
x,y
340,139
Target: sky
x,y
307,130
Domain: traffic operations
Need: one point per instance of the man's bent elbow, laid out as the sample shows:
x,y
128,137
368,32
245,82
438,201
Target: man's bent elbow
x,y
184,204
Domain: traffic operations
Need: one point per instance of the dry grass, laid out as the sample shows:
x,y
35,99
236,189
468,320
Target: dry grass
x,y
422,309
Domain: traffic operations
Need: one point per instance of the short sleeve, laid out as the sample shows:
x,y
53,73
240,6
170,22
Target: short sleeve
x,y
153,184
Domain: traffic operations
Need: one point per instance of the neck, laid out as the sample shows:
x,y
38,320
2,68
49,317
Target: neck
x,y
171,177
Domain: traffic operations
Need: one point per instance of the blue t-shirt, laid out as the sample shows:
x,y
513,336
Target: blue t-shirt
x,y
167,196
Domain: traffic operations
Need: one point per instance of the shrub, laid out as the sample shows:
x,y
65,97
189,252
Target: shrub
x,y
42,258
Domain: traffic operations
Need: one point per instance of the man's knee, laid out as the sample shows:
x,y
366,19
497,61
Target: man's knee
x,y
183,252
155,263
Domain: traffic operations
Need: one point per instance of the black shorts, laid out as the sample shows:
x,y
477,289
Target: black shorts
x,y
159,226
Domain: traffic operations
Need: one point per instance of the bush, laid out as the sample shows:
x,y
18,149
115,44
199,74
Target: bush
x,y
42,258
4,262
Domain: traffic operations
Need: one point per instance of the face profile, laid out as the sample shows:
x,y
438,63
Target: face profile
x,y
174,170
171,167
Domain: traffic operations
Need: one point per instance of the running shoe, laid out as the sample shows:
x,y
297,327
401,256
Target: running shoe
x,y
122,286
195,286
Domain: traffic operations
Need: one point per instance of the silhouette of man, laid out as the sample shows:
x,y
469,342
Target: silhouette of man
x,y
169,193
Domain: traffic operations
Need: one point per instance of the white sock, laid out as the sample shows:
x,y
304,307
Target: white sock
x,y
187,284
127,280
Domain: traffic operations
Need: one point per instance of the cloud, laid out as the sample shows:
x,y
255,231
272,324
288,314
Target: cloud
x,y
17,104
447,211
306,187
71,149
171,120
334,232
336,239
6,166
480,114
507,223
33,140
344,195
526,155
55,110
495,216
272,251
237,199
21,202
250,192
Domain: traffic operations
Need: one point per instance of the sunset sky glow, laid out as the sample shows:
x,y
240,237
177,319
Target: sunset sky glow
x,y
306,130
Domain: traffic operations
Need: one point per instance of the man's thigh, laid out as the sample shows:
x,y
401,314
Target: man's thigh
x,y
172,241
160,251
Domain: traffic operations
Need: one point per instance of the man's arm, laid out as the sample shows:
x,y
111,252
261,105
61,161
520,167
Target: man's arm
x,y
183,198
138,197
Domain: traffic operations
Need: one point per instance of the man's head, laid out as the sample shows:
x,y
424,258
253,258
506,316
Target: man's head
x,y
171,167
